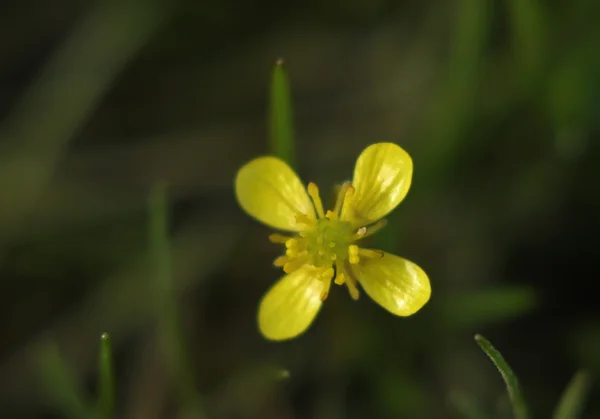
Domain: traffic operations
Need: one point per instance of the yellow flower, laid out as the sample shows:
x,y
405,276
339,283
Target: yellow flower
x,y
322,246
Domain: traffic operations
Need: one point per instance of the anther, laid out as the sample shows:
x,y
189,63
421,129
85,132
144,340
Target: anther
x,y
278,238
339,278
331,216
340,198
351,283
313,191
370,254
353,252
294,264
280,261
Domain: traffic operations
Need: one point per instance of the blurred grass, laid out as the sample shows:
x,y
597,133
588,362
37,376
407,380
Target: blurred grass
x,y
170,328
61,390
466,405
64,96
573,399
527,21
280,115
485,307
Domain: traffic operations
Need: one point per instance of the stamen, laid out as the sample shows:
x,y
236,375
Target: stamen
x,y
332,216
313,191
346,205
339,277
294,247
353,252
370,230
278,238
304,219
340,198
280,261
352,283
293,264
370,254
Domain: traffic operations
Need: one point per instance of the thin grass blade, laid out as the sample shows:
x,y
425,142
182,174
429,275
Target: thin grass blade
x,y
510,379
281,126
171,334
106,380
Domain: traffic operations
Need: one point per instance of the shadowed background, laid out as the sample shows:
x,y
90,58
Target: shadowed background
x,y
498,103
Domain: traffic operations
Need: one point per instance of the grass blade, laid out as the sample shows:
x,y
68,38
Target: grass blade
x,y
572,400
510,379
527,22
60,387
171,334
281,126
106,380
466,405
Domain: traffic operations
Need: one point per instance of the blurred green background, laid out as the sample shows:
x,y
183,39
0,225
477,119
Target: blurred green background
x,y
498,103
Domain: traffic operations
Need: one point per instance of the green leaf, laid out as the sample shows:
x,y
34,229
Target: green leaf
x,y
59,384
172,337
106,380
466,405
572,400
510,379
281,127
482,307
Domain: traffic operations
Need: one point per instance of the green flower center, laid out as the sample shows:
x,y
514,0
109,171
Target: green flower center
x,y
326,245
328,242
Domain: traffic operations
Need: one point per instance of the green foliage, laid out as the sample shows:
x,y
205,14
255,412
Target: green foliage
x,y
281,124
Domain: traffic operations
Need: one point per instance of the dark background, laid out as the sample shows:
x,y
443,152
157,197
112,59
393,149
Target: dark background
x,y
498,103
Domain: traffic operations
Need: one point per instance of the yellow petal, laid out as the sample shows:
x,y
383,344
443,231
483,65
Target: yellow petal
x,y
396,284
291,305
269,190
382,178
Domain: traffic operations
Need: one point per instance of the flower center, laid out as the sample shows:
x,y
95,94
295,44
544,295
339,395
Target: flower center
x,y
328,242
